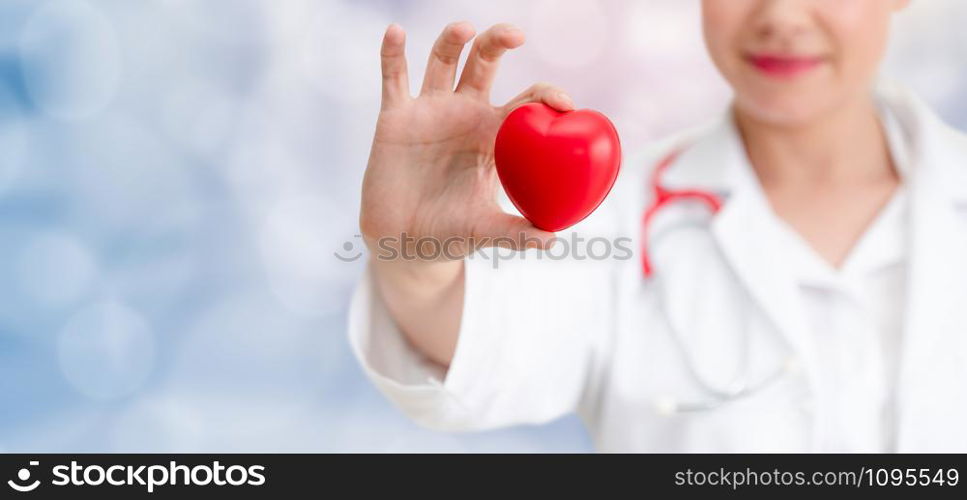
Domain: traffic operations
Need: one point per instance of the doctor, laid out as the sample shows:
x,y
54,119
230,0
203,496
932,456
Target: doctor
x,y
821,308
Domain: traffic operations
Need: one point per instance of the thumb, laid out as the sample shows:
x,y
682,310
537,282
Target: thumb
x,y
509,231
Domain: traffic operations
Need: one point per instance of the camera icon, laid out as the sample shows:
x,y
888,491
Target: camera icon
x,y
23,475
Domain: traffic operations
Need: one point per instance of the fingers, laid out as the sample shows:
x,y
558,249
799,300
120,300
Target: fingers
x,y
396,86
478,75
551,95
441,70
509,231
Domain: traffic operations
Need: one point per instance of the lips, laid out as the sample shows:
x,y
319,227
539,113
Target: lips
x,y
784,66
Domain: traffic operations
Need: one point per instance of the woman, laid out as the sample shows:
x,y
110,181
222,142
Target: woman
x,y
819,309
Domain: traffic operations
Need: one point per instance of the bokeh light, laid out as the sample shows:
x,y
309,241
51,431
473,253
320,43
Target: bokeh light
x,y
14,137
71,59
106,351
570,34
56,269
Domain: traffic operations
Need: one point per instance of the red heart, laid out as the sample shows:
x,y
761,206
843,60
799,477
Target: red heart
x,y
557,167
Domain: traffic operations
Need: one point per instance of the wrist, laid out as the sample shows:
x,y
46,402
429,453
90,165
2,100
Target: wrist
x,y
416,275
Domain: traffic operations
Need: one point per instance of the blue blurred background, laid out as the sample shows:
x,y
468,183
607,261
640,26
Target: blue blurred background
x,y
176,177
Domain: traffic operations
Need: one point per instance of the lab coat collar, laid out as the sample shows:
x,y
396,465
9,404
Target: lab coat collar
x,y
711,159
935,150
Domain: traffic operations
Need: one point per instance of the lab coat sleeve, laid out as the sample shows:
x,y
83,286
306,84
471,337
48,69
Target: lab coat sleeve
x,y
524,350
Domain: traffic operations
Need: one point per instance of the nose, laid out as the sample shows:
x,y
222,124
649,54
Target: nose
x,y
782,21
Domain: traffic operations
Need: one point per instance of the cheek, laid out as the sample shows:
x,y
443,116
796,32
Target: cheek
x,y
721,28
858,31
861,50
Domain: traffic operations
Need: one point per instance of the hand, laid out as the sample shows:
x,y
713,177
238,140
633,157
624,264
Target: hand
x,y
431,170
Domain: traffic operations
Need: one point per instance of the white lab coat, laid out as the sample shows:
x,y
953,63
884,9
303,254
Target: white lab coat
x,y
542,338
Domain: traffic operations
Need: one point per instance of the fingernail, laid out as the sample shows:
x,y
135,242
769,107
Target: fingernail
x,y
394,32
566,100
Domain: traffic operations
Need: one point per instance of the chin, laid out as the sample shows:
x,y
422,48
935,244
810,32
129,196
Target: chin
x,y
786,109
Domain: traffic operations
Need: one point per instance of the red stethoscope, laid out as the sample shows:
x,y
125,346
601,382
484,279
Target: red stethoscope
x,y
662,197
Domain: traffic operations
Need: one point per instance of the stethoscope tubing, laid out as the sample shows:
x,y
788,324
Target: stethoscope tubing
x,y
662,197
